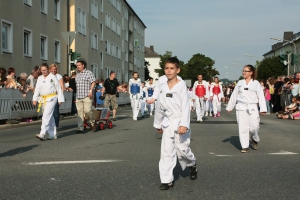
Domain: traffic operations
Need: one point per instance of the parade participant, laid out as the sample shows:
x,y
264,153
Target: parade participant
x,y
216,95
246,95
111,86
53,69
150,86
135,93
85,82
173,121
49,92
200,97
209,106
191,96
143,99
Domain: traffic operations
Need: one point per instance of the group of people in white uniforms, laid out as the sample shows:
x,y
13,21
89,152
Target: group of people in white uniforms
x,y
172,119
47,93
246,96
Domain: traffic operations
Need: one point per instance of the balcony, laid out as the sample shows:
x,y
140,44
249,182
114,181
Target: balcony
x,y
130,27
130,47
130,66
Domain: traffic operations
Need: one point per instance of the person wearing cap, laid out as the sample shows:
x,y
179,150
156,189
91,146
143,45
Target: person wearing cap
x,y
85,82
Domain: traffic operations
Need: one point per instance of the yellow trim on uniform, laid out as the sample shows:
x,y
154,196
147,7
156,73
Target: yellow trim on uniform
x,y
44,97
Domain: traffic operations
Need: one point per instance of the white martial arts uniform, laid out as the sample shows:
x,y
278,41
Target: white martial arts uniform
x,y
216,99
200,103
151,88
135,96
246,97
143,100
45,87
173,111
190,93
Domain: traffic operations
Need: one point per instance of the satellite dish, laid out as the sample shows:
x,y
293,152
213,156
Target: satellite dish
x,y
285,62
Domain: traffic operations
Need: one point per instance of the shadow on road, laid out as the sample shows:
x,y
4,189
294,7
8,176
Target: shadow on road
x,y
18,150
234,140
178,171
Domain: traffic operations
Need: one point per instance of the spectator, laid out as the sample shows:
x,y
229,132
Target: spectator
x,y
32,79
23,84
295,88
3,79
111,85
11,82
85,82
267,97
270,82
72,88
286,93
277,91
66,82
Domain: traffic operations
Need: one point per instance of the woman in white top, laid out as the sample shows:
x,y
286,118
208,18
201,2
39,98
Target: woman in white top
x,y
245,96
53,69
49,92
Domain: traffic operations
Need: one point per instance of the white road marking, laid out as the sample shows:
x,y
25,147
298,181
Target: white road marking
x,y
211,153
71,162
282,152
223,155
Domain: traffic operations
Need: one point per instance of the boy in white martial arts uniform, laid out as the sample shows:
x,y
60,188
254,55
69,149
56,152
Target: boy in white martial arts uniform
x,y
172,119
150,86
49,92
247,95
143,99
216,95
200,96
135,93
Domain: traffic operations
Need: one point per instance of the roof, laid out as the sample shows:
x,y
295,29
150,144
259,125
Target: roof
x,y
134,13
151,54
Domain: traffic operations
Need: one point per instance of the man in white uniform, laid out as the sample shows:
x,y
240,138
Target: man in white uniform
x,y
172,119
143,99
216,95
200,96
150,86
135,93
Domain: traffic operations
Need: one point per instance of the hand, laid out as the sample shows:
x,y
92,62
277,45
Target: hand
x,y
90,94
23,95
34,103
182,130
160,131
151,101
59,103
229,111
263,113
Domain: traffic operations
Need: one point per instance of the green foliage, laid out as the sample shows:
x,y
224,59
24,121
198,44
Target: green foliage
x,y
270,67
162,61
147,72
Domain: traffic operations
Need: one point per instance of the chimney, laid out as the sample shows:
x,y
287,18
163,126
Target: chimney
x,y
288,35
152,48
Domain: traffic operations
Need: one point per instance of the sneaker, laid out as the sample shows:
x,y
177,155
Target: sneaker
x,y
166,186
206,114
142,115
39,137
245,150
193,172
219,114
254,144
210,114
151,114
215,115
79,131
200,120
114,119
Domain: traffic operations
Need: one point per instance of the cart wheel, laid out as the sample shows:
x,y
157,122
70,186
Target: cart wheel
x,y
101,126
109,124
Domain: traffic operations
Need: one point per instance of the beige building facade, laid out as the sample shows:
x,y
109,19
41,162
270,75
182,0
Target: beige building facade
x,y
107,33
31,34
110,36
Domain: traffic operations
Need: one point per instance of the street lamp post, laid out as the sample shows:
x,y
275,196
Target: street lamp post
x,y
290,41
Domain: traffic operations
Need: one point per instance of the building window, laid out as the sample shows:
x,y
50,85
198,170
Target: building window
x,y
44,6
44,48
81,21
107,47
101,5
101,31
94,40
126,56
126,14
101,60
57,9
27,2
27,42
119,75
57,51
126,35
95,69
94,9
107,20
7,36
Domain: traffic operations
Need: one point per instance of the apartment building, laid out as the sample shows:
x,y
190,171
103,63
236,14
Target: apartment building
x,y
110,36
153,58
31,34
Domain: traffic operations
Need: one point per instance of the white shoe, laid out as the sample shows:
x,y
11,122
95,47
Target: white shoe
x,y
206,114
210,114
134,119
200,120
151,114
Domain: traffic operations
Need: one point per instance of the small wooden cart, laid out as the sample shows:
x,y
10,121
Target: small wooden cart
x,y
101,117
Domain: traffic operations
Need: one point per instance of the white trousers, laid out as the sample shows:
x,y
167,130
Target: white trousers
x,y
48,122
216,106
200,107
142,106
135,107
170,146
150,107
248,123
208,106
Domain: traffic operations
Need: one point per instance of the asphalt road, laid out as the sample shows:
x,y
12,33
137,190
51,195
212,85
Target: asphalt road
x,y
122,163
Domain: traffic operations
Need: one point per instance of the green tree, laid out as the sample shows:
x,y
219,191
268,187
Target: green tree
x,y
270,67
147,72
162,61
199,64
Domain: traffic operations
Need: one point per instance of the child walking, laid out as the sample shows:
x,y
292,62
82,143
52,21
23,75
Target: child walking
x,y
173,121
246,95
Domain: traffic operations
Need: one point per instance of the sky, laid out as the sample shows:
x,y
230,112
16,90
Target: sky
x,y
224,30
